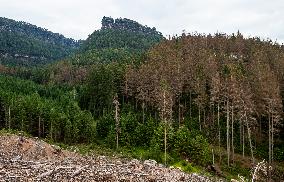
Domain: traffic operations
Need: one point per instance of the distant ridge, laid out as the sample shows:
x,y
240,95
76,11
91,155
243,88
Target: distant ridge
x,y
44,34
24,44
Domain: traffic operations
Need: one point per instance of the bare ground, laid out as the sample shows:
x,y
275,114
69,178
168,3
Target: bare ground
x,y
31,159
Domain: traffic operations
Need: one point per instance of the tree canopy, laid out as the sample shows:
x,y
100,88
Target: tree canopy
x,y
23,44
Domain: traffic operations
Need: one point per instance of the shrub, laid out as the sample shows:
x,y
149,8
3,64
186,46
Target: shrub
x,y
144,132
104,126
128,124
157,141
193,145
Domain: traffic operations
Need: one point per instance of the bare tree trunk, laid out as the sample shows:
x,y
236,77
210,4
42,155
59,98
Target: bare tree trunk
x,y
116,140
260,128
269,139
165,139
243,131
39,125
190,105
179,117
165,122
219,132
22,125
136,103
9,118
199,118
269,146
43,128
272,139
116,103
228,134
233,152
51,130
249,138
213,113
259,139
5,118
143,110
204,118
240,127
213,157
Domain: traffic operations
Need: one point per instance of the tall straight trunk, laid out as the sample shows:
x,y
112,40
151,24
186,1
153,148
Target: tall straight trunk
x,y
213,113
143,110
116,140
243,131
213,157
22,125
269,140
249,138
51,130
179,116
136,103
232,140
190,105
272,139
258,134
9,118
199,118
240,128
165,139
269,146
116,122
43,127
146,108
260,128
219,131
165,122
5,118
228,134
242,137
39,127
204,118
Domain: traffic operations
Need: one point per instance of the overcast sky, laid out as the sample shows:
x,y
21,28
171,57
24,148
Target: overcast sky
x,y
79,18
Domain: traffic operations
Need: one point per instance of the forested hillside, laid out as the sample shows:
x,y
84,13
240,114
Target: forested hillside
x,y
191,101
122,33
121,41
27,45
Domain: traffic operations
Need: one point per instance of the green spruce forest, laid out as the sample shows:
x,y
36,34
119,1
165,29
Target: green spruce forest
x,y
191,100
23,44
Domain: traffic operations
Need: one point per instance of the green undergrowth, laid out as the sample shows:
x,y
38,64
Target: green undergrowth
x,y
13,132
187,167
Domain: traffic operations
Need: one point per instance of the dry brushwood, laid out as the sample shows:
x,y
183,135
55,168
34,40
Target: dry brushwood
x,y
48,165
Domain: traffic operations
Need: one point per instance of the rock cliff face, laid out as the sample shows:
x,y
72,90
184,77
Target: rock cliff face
x,y
29,159
127,24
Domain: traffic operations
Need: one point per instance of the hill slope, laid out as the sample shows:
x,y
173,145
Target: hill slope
x,y
25,44
122,33
119,40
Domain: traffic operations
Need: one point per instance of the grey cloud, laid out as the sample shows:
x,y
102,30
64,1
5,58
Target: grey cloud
x,y
78,18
